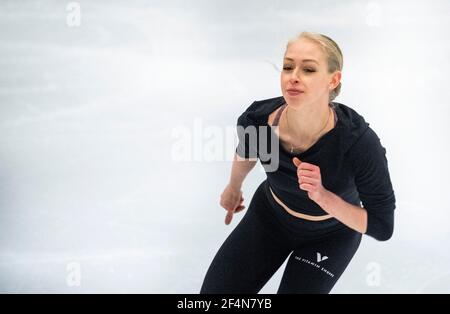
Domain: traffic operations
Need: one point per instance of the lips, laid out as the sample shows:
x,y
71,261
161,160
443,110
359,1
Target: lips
x,y
294,92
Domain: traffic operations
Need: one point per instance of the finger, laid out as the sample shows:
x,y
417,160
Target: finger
x,y
309,180
306,173
240,208
305,186
228,217
296,161
308,166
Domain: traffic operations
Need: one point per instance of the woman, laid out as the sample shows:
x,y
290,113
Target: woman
x,y
329,162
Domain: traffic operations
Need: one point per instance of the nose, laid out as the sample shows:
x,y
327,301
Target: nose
x,y
293,78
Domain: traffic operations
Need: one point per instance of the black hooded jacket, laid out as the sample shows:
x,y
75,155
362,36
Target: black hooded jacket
x,y
350,156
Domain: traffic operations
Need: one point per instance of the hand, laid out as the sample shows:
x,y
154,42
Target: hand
x,y
310,180
231,199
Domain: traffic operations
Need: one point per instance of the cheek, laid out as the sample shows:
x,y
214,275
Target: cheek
x,y
284,80
318,84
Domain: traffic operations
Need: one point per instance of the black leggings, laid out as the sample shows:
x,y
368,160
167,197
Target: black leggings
x,y
263,239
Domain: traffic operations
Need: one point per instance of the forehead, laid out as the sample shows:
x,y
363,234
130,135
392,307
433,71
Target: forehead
x,y
304,50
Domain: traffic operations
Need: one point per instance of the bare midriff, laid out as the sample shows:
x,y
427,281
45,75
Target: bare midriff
x,y
297,214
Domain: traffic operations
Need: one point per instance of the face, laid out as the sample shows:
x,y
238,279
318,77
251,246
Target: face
x,y
305,69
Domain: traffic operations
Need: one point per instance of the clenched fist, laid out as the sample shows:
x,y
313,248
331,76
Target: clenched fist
x,y
309,179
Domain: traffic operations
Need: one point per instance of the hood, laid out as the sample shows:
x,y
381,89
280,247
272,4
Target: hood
x,y
352,125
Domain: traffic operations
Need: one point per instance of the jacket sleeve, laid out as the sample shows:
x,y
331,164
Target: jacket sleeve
x,y
248,138
374,185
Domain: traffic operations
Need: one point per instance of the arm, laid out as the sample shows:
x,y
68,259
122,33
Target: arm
x,y
372,180
240,169
246,153
351,215
310,179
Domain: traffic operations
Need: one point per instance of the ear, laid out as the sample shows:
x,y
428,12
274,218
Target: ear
x,y
336,79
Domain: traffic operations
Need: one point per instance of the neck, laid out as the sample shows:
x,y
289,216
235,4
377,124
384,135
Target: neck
x,y
305,122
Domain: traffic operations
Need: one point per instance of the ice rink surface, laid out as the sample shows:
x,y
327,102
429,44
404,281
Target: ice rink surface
x,y
98,196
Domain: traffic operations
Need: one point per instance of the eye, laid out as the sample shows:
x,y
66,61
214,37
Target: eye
x,y
307,70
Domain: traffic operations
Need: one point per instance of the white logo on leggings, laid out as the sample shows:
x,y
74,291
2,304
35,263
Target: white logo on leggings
x,y
315,265
320,257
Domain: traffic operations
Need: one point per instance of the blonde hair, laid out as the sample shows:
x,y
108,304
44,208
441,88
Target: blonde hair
x,y
332,51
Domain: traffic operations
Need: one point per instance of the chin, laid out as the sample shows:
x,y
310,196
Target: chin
x,y
294,99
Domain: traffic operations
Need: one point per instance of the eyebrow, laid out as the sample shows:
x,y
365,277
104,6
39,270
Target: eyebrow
x,y
304,60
